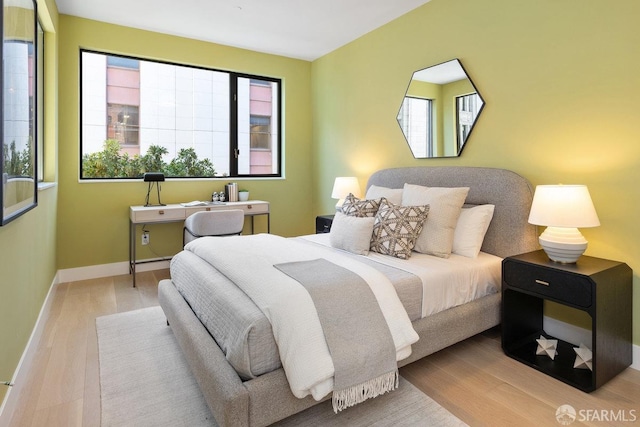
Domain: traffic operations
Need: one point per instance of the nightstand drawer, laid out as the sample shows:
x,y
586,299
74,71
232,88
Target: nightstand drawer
x,y
563,287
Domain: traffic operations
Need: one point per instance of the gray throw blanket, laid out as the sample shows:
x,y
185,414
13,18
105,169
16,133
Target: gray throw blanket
x,y
354,327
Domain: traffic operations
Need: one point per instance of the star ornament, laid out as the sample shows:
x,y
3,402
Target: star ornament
x,y
547,347
583,358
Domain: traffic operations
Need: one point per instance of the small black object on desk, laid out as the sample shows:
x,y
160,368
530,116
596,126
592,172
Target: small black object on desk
x,y
153,178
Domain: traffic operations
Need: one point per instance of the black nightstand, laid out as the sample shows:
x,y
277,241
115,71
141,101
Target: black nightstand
x,y
599,287
323,223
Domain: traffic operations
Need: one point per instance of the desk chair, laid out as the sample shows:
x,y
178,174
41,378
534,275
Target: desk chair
x,y
213,223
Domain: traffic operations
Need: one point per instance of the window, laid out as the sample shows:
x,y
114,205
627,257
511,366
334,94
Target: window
x,y
260,133
146,116
415,119
467,109
39,102
122,123
19,99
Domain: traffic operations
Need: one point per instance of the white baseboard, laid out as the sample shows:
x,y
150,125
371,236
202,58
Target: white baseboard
x,y
24,365
576,335
106,270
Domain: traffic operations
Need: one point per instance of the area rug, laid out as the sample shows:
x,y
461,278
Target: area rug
x,y
145,381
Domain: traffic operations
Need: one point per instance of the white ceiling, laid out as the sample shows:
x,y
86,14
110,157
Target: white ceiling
x,y
441,74
303,29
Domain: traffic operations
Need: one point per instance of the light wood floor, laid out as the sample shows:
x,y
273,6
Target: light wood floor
x,y
473,379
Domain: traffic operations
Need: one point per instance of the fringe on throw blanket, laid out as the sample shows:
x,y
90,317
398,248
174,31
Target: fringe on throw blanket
x,y
350,396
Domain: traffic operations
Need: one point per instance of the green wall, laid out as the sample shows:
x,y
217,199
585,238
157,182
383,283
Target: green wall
x,y
93,216
560,82
27,244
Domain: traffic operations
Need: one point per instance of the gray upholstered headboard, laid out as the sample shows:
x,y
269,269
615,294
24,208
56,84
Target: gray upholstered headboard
x,y
509,232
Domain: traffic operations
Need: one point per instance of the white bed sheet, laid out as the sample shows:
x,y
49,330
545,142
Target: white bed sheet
x,y
446,282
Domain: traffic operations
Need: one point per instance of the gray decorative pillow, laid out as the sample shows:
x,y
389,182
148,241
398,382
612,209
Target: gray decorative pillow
x,y
445,205
394,195
353,206
397,228
351,233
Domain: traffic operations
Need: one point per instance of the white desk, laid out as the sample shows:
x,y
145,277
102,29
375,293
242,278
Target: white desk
x,y
141,215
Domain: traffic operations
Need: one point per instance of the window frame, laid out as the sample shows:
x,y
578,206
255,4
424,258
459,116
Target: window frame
x,y
40,89
428,143
233,119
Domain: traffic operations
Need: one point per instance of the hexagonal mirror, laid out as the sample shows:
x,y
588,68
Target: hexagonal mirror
x,y
439,110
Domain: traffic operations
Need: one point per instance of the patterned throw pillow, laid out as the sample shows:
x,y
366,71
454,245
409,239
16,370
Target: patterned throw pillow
x,y
397,228
353,206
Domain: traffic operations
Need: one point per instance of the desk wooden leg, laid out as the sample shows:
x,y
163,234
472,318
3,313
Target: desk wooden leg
x,y
132,251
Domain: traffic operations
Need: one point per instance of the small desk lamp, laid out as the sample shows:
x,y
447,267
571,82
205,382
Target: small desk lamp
x,y
342,186
563,209
153,178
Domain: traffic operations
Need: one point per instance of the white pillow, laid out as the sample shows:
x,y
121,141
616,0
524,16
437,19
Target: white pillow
x,y
393,195
351,233
445,204
470,230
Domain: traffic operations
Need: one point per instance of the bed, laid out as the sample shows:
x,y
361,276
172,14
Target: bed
x,y
260,395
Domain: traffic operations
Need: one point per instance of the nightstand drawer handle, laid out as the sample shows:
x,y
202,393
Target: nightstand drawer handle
x,y
542,282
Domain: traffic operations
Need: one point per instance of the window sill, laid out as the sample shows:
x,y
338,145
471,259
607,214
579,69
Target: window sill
x,y
46,185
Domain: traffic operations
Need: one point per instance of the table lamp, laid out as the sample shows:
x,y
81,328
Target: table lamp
x,y
153,178
342,186
563,209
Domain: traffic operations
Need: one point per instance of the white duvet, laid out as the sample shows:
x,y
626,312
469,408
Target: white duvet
x,y
248,261
446,282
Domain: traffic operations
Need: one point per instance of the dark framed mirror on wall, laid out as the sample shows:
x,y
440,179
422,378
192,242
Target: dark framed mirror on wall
x,y
18,127
439,110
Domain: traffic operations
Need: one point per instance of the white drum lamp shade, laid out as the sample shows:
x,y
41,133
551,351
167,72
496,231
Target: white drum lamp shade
x,y
342,186
563,209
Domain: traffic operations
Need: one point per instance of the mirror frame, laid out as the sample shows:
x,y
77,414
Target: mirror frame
x,y
454,139
18,168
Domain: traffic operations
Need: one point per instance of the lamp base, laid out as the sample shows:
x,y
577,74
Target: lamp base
x,y
563,245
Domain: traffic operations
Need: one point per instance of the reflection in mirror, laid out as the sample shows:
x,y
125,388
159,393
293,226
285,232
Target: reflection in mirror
x,y
439,110
19,183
